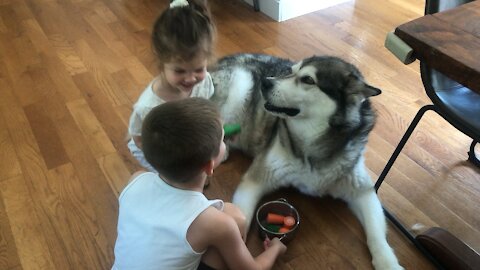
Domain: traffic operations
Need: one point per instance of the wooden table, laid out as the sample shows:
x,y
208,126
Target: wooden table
x,y
449,42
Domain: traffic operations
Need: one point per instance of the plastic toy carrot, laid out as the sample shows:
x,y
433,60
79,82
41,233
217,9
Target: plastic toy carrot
x,y
275,218
287,221
283,230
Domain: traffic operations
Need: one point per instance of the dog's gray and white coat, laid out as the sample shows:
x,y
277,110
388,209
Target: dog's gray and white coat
x,y
306,125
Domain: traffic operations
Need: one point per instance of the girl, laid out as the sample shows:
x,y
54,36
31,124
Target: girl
x,y
183,40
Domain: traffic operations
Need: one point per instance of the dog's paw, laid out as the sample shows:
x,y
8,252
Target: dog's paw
x,y
385,263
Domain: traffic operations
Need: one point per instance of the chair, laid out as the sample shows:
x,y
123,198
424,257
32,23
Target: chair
x,y
457,104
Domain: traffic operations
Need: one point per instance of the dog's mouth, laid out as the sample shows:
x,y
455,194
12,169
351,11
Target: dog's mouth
x,y
288,111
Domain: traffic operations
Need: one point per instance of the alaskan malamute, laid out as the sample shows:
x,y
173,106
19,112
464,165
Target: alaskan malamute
x,y
306,125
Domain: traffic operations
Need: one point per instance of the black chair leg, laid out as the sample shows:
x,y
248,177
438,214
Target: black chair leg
x,y
471,154
384,173
402,143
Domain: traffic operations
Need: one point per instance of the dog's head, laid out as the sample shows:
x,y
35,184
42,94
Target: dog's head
x,y
325,86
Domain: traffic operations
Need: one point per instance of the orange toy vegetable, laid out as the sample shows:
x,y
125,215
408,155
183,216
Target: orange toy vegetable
x,y
275,218
289,221
284,230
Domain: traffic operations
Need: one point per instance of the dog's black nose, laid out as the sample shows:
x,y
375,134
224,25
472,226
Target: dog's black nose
x,y
267,83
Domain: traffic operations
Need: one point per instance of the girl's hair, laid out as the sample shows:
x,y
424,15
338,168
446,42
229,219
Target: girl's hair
x,y
184,32
180,137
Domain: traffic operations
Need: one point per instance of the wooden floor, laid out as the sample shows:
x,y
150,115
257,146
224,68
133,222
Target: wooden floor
x,y
71,69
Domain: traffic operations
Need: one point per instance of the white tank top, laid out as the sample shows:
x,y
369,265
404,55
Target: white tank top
x,y
152,225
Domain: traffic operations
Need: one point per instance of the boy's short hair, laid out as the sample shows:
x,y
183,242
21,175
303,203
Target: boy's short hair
x,y
180,137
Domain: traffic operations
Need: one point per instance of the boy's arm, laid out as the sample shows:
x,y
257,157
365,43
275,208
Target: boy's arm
x,y
225,236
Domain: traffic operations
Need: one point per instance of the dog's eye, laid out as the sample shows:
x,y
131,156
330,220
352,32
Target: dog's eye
x,y
307,80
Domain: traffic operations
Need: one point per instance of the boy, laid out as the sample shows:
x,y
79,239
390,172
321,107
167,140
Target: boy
x,y
165,221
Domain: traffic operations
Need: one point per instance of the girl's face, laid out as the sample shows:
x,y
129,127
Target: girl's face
x,y
183,76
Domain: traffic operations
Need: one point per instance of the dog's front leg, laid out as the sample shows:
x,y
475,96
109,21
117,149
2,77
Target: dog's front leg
x,y
366,206
246,197
253,186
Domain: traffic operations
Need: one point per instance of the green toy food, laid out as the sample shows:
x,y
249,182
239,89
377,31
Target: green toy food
x,y
231,129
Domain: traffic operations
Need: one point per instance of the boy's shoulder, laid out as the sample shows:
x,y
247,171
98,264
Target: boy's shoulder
x,y
211,227
135,175
215,221
138,182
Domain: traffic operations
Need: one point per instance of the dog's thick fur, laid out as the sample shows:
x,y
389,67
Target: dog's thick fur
x,y
306,125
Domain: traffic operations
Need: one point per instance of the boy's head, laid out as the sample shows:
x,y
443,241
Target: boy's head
x,y
180,138
184,31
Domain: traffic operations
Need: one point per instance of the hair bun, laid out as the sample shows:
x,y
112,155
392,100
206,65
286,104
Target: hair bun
x,y
179,3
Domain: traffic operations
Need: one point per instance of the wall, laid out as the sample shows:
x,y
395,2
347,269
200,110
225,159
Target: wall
x,y
281,10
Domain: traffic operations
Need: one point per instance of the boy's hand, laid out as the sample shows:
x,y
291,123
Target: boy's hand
x,y
275,242
266,243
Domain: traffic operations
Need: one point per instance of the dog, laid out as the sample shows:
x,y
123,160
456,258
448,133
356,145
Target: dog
x,y
306,125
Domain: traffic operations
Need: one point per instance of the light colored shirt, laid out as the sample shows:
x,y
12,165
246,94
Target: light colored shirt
x,y
153,221
148,100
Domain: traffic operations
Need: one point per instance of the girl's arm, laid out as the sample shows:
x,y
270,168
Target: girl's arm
x,y
138,141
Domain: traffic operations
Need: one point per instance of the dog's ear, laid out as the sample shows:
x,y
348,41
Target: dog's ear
x,y
296,67
367,90
370,91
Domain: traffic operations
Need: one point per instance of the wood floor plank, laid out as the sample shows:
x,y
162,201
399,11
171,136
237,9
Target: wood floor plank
x,y
77,222
60,77
22,10
129,85
142,74
10,20
67,53
3,27
96,137
35,188
26,227
106,115
115,170
46,136
99,69
107,44
9,167
8,249
97,189
36,35
104,12
137,43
